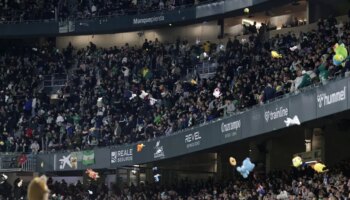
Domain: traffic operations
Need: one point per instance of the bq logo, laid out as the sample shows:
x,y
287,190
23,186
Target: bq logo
x,y
323,99
159,151
193,139
278,113
124,155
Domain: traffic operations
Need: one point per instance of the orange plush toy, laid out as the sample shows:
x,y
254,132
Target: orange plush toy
x,y
92,174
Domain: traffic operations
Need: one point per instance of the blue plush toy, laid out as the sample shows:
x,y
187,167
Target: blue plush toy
x,y
246,168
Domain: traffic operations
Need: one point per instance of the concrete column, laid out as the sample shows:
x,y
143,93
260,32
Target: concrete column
x,y
268,158
317,139
224,170
308,139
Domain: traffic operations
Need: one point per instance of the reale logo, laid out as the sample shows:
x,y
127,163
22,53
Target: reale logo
x,y
124,155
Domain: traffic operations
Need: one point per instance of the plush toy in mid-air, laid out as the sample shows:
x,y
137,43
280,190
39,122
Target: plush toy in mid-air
x,y
246,10
246,168
261,190
341,53
275,54
217,93
319,167
3,178
92,174
152,101
232,161
99,102
140,147
37,189
143,94
156,174
297,161
292,121
193,82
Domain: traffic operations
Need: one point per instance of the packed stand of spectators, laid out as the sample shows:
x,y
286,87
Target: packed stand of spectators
x,y
21,10
129,94
95,8
302,184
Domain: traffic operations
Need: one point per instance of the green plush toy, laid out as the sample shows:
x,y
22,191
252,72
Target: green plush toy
x,y
341,53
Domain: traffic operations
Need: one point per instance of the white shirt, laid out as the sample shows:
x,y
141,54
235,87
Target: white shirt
x,y
59,119
93,8
35,147
298,81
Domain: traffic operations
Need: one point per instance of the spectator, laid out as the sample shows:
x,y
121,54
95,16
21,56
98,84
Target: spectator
x,y
269,93
305,81
34,147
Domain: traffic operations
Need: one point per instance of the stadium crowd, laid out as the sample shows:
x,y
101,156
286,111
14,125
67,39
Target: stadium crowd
x,y
302,184
21,10
102,103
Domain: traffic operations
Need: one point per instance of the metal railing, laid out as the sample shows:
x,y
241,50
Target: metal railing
x,y
206,69
9,162
54,82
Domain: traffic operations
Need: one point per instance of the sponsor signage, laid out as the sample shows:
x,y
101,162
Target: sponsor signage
x,y
292,111
148,20
325,99
332,98
230,129
69,161
280,112
123,155
193,139
158,151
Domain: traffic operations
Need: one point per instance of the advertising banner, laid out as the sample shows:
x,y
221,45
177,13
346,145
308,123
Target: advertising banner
x,y
290,111
133,22
96,159
302,106
332,98
123,155
253,123
276,114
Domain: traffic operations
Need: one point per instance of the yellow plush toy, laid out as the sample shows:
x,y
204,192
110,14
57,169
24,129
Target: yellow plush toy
x,y
297,161
275,54
246,10
319,167
37,189
232,161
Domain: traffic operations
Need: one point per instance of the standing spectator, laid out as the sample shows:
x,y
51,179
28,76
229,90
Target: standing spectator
x,y
34,147
269,93
305,81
